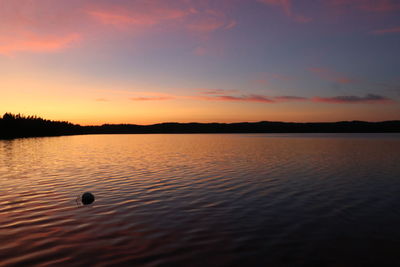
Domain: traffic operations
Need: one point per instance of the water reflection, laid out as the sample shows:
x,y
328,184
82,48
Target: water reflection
x,y
200,200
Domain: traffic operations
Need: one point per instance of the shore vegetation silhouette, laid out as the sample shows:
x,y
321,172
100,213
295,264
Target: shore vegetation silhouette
x,y
17,126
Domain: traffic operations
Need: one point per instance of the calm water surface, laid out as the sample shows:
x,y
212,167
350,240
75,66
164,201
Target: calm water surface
x,y
201,200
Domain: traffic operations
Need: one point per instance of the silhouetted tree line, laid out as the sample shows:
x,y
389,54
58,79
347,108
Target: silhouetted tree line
x,y
13,126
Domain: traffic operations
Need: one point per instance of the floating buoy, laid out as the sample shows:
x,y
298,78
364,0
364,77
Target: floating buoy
x,y
87,198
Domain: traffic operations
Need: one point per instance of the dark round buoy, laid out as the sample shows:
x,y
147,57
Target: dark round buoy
x,y
87,198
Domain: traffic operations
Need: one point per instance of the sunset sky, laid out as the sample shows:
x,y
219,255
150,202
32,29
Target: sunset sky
x,y
150,61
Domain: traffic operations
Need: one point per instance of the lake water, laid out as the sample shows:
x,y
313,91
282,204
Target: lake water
x,y
201,200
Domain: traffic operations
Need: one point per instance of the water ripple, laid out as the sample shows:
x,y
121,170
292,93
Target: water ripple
x,y
197,200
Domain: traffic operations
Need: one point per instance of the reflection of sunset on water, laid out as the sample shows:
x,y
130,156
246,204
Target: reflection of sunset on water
x,y
184,198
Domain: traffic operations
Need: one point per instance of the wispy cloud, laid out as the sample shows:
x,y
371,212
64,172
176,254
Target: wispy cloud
x,y
48,26
253,98
368,99
206,25
208,20
369,5
290,98
101,99
242,98
123,17
217,91
32,42
265,78
145,14
286,6
333,76
234,96
387,31
151,98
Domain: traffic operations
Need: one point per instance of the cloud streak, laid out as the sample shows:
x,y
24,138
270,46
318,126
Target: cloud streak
x,y
350,99
217,91
146,14
49,26
368,99
242,98
31,42
331,75
369,5
386,31
140,16
159,98
290,98
223,96
286,6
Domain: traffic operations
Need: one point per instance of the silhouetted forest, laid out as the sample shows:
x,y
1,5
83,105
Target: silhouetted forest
x,y
14,126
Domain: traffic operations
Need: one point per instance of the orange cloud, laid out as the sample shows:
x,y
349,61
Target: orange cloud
x,y
31,42
331,75
151,98
101,99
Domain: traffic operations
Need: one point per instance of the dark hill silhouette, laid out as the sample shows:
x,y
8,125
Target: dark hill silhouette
x,y
14,126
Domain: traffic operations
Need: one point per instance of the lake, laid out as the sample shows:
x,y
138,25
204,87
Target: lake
x,y
201,200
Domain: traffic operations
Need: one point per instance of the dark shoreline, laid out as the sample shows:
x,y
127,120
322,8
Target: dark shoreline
x,y
17,126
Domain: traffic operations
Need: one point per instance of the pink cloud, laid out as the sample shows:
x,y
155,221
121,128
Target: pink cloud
x,y
116,19
206,25
49,26
140,16
368,99
290,98
386,31
209,20
261,81
217,91
286,6
302,19
156,12
38,26
369,5
31,42
200,51
265,78
331,75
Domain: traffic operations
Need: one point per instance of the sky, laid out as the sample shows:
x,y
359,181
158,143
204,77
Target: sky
x,y
150,61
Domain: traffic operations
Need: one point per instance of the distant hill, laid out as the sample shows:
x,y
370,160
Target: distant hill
x,y
14,126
